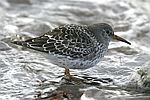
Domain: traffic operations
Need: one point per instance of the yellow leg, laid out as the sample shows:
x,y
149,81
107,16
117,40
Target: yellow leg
x,y
67,73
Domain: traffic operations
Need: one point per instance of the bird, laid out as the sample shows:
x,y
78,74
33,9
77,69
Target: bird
x,y
73,46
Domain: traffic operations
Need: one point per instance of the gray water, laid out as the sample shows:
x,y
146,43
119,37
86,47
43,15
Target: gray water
x,y
25,73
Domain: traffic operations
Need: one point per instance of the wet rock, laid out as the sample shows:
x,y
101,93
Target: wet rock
x,y
59,95
144,73
93,94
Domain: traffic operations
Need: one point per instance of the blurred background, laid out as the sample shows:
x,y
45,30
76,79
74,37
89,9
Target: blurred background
x,y
121,75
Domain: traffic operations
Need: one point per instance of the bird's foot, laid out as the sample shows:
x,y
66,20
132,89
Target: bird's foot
x,y
72,78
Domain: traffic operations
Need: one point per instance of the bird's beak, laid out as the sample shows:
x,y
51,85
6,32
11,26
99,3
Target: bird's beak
x,y
121,39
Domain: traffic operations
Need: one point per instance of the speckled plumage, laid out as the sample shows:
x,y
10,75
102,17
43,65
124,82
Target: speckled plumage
x,y
73,46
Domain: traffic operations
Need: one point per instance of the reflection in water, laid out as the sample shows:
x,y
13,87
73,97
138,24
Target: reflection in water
x,y
24,73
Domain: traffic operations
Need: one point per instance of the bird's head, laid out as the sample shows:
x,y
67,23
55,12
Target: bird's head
x,y
104,33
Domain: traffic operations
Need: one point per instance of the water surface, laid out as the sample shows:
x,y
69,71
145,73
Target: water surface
x,y
24,73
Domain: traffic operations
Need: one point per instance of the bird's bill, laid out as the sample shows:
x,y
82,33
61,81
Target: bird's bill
x,y
121,39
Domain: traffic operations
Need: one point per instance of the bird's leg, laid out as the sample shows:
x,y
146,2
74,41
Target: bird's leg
x,y
67,73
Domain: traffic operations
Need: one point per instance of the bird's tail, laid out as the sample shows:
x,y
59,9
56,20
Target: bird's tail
x,y
27,45
21,43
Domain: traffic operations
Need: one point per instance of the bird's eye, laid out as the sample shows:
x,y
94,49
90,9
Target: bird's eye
x,y
107,31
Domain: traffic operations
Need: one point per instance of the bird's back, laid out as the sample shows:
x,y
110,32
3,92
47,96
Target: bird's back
x,y
70,44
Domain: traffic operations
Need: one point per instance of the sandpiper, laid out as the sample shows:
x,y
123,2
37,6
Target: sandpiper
x,y
74,46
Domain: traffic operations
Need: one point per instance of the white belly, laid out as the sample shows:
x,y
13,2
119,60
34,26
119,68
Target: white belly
x,y
71,63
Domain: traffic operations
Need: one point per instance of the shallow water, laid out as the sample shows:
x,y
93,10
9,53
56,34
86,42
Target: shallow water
x,y
25,73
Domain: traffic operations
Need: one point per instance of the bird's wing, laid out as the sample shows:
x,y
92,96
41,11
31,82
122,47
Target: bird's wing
x,y
68,40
